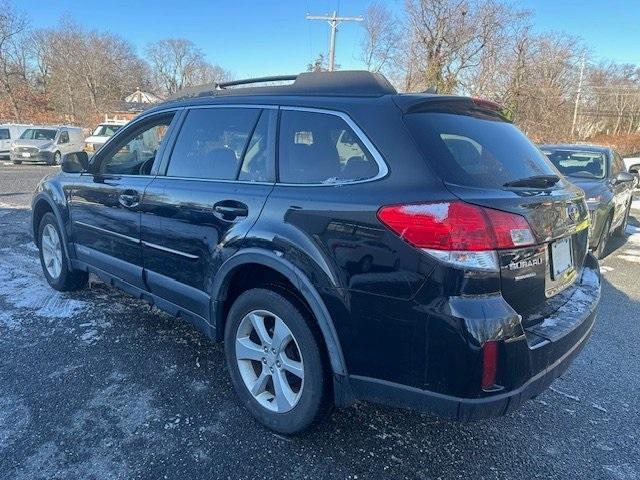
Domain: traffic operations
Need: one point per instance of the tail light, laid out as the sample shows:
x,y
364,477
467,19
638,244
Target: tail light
x,y
457,232
489,364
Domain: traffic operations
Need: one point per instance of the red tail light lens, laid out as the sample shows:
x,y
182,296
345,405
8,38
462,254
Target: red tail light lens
x,y
489,364
456,226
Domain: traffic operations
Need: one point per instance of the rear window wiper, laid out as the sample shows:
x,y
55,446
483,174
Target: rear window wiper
x,y
536,181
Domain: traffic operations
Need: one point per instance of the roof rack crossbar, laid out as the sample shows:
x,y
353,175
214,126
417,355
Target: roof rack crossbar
x,y
248,81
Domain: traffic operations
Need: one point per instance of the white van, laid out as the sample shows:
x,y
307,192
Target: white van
x,y
8,133
46,144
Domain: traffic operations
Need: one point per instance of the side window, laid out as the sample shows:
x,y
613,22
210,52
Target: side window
x,y
211,143
258,162
135,151
64,137
321,148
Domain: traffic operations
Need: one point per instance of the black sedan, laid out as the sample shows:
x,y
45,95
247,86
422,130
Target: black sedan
x,y
608,187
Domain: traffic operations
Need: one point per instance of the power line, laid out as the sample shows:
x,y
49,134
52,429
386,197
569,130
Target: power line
x,y
333,21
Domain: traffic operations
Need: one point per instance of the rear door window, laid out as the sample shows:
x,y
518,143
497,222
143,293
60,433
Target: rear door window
x,y
4,134
478,152
321,148
212,142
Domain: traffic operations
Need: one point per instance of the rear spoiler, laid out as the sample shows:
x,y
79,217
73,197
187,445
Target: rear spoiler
x,y
476,107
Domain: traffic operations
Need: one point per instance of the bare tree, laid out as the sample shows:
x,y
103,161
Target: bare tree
x,y
13,46
382,40
177,63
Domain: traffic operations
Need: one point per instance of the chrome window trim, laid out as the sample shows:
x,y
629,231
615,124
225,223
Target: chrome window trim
x,y
169,250
233,105
110,232
383,169
215,180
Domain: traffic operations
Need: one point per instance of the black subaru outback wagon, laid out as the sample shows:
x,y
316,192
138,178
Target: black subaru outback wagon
x,y
344,241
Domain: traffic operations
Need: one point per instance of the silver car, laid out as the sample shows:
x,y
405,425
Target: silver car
x,y
46,144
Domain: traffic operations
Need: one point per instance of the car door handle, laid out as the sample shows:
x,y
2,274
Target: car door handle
x,y
230,210
129,199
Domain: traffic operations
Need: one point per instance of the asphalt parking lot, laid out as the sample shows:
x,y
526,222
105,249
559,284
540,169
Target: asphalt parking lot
x,y
97,385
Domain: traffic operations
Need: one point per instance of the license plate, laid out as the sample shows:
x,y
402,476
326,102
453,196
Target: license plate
x,y
26,154
561,258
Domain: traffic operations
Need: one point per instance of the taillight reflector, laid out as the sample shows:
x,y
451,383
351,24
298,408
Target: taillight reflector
x,y
456,226
489,364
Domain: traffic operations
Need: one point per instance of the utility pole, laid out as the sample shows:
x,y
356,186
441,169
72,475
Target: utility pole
x,y
333,21
575,108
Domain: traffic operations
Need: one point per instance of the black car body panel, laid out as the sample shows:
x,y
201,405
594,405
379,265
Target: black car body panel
x,y
399,325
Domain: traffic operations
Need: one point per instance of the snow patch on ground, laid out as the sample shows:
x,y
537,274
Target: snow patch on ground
x,y
605,269
23,286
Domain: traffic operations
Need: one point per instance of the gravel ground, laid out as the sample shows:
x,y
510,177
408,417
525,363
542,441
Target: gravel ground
x,y
97,385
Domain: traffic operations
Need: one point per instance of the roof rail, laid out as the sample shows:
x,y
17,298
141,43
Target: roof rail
x,y
248,81
351,83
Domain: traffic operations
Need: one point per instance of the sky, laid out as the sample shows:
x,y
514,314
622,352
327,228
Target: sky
x,y
272,37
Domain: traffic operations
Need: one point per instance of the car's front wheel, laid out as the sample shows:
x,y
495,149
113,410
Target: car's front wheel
x,y
620,231
54,260
56,159
276,361
601,249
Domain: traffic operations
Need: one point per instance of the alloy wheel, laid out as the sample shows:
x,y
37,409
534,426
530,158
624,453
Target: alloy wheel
x,y
51,251
269,360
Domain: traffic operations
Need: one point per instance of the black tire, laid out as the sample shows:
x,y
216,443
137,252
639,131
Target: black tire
x,y
56,159
69,279
601,249
315,400
620,231
17,162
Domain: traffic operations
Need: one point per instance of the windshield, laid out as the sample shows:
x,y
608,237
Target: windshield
x,y
4,134
580,164
38,134
478,152
106,130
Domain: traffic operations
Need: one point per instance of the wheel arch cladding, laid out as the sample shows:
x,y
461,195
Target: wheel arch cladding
x,y
304,288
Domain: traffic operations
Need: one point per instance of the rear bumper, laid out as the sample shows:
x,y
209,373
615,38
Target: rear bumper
x,y
532,362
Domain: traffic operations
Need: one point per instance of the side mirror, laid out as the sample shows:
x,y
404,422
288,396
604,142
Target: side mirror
x,y
76,162
624,177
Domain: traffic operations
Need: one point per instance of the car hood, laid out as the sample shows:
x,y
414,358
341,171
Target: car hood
x,y
591,187
31,143
96,139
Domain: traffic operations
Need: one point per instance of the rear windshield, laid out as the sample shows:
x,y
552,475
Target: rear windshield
x,y
470,151
577,164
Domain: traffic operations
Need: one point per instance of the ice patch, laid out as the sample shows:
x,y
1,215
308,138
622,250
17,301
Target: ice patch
x,y
23,286
439,211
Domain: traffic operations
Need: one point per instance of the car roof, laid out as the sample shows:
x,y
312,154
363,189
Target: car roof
x,y
335,90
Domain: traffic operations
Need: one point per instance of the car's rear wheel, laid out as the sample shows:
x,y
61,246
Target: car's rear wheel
x,y
601,249
54,260
17,162
620,231
275,358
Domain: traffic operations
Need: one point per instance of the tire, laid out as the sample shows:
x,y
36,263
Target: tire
x,y
312,400
56,159
620,231
67,279
17,162
601,249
